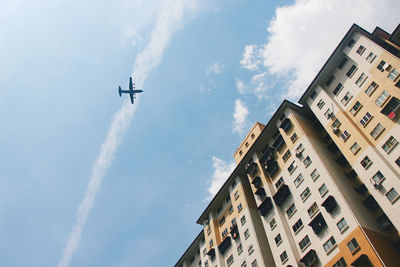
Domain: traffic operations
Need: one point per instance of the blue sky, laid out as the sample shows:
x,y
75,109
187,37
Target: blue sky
x,y
82,187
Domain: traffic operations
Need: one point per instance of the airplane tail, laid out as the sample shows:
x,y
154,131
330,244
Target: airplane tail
x,y
120,91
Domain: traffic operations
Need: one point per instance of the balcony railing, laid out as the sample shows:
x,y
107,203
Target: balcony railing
x,y
329,204
351,175
251,168
257,182
318,223
211,252
271,168
333,147
370,203
384,223
310,259
281,195
225,244
361,189
260,192
279,143
265,206
342,161
286,125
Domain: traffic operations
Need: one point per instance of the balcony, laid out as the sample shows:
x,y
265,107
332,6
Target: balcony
x,y
342,161
329,204
251,168
271,168
310,259
225,244
257,182
318,223
279,143
384,223
265,206
211,252
234,231
370,203
282,194
362,189
351,175
260,192
332,147
286,125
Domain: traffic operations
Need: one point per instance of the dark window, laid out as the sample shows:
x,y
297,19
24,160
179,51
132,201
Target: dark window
x,y
342,63
351,71
330,80
351,43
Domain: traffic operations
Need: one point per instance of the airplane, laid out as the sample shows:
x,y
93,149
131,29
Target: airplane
x,y
131,90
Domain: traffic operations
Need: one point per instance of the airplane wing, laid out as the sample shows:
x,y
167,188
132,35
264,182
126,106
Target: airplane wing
x,y
131,95
130,83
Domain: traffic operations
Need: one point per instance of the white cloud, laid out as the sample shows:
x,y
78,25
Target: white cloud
x,y
240,115
303,35
215,68
241,86
168,21
222,171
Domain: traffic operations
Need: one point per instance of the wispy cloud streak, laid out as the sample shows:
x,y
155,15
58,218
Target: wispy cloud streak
x,y
168,21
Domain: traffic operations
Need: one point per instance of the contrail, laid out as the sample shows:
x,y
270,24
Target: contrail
x,y
168,21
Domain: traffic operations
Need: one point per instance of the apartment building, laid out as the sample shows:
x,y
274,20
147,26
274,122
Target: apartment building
x,y
318,184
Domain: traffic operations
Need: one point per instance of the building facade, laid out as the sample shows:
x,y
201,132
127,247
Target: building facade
x,y
319,184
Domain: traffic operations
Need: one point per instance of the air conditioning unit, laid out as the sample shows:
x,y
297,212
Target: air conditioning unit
x,y
386,66
299,153
335,130
376,184
329,115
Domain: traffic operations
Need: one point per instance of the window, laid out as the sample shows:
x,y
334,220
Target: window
x,y
244,264
272,223
243,220
199,262
304,242
313,209
342,63
246,233
393,75
361,79
328,114
292,167
307,161
222,221
377,131
254,264
236,195
278,239
204,252
381,66
240,207
250,250
314,175
225,232
346,98
382,98
298,180
397,161
246,144
313,95
351,43
296,227
300,148
329,245
390,144
229,260
340,263
337,89
357,106
366,162
305,194
351,71
233,222
286,155
392,195
353,245
355,148
371,88
206,263
253,136
283,257
336,123
230,209
211,242
239,249
370,58
365,119
293,138
342,225
378,178
208,230
345,135
330,80
320,104
360,50
279,182
323,190
291,210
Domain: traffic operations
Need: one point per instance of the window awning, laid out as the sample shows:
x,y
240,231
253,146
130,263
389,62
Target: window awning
x,y
225,244
282,194
256,181
318,223
265,206
362,261
329,204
